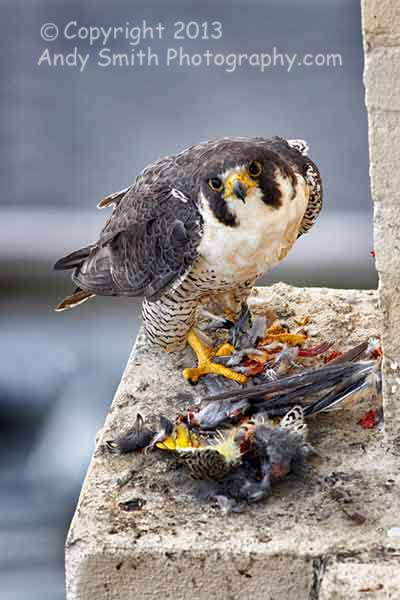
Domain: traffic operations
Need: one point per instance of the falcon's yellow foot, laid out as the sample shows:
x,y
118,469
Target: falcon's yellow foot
x,y
205,365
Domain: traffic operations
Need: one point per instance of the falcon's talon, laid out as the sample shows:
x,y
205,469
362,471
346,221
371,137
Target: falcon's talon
x,y
205,364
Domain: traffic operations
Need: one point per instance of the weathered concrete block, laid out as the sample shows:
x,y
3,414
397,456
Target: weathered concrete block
x,y
381,22
384,150
178,545
381,27
379,580
387,239
191,574
382,79
389,296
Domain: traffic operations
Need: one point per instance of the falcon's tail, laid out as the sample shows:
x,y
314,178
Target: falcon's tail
x,y
73,260
78,297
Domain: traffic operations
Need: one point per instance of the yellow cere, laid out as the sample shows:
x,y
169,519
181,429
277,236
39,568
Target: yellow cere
x,y
241,176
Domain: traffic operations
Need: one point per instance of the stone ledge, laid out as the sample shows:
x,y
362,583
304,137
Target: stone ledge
x,y
180,546
192,573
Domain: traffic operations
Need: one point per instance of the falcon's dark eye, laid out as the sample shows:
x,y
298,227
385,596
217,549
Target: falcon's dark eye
x,y
216,184
255,168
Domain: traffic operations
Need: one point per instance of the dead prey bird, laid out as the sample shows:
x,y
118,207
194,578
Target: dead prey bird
x,y
317,390
137,438
271,453
244,462
251,454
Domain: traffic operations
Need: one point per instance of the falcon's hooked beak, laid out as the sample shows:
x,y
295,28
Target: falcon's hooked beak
x,y
240,190
238,184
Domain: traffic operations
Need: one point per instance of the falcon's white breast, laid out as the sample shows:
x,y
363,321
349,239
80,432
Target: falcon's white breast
x,y
262,238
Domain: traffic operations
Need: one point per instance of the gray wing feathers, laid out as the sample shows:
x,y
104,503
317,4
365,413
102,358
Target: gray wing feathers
x,y
142,258
113,199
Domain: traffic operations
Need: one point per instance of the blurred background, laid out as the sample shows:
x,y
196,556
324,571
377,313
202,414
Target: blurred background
x,y
71,137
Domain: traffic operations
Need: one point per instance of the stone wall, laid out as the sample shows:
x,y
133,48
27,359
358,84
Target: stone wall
x,y
381,31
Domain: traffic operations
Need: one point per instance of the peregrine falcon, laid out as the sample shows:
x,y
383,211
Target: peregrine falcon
x,y
197,227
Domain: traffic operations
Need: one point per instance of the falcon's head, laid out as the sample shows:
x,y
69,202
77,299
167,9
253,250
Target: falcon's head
x,y
235,174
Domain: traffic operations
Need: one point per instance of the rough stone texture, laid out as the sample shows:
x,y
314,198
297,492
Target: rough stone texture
x,y
389,292
358,581
387,240
381,22
382,82
381,31
384,131
181,546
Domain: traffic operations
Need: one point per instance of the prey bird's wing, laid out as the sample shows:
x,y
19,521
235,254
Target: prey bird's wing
x,y
306,381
